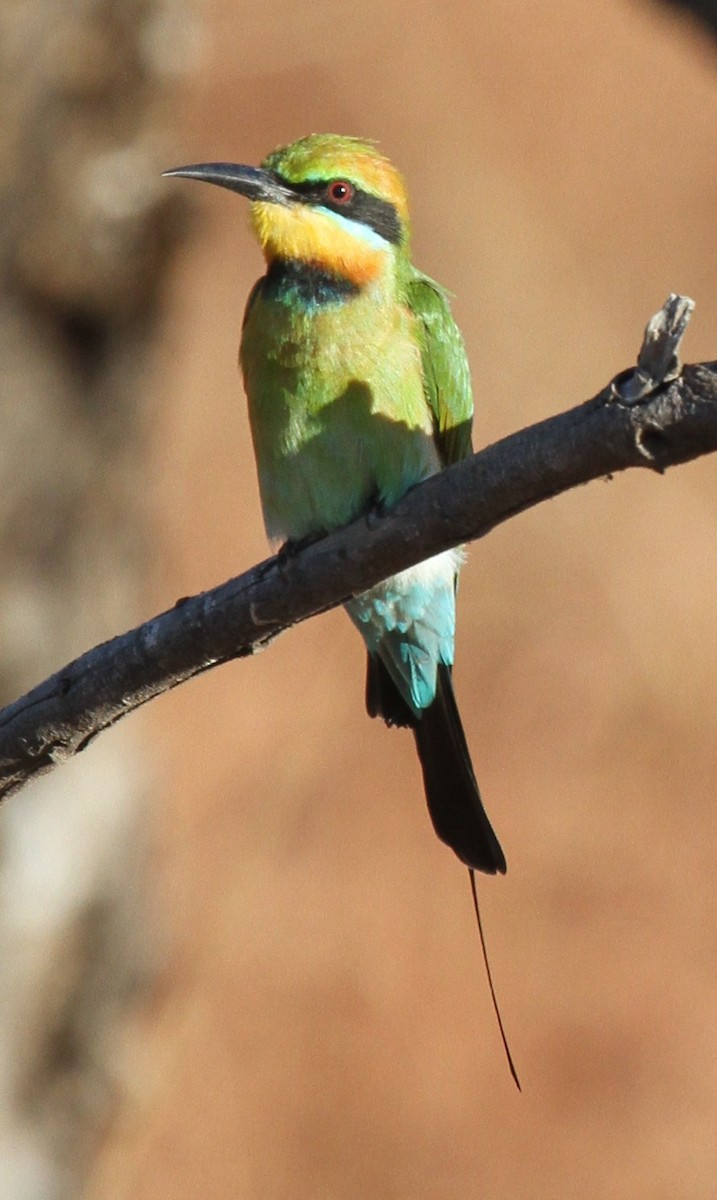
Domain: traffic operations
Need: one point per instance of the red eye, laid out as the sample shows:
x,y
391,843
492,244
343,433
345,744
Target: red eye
x,y
340,192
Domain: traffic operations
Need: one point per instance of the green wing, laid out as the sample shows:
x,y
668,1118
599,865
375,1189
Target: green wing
x,y
445,367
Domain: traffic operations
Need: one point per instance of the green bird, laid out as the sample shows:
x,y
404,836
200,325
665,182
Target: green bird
x,y
358,388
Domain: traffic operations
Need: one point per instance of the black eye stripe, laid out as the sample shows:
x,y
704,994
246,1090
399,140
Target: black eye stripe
x,y
379,215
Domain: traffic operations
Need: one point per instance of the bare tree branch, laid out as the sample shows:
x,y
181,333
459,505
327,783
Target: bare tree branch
x,y
656,415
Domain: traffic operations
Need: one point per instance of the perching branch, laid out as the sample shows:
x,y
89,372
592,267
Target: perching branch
x,y
656,415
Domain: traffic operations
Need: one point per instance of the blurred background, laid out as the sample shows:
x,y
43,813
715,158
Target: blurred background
x,y
234,960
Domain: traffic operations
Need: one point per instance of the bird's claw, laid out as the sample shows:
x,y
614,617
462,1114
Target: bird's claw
x,y
375,513
293,546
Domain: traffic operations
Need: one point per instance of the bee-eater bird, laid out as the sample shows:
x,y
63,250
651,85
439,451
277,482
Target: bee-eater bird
x,y
358,387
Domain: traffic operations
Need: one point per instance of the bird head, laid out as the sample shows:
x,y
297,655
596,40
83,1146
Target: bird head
x,y
327,201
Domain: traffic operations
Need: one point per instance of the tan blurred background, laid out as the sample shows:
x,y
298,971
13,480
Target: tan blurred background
x,y
319,1024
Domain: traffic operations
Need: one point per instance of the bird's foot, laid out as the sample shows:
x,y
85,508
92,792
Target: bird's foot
x,y
375,512
293,546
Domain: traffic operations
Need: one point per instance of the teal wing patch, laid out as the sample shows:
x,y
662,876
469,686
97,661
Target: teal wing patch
x,y
445,367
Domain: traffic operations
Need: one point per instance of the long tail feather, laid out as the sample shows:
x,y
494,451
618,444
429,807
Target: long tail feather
x,y
454,800
452,794
494,998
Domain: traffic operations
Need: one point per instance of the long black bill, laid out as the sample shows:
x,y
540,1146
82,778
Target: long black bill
x,y
253,182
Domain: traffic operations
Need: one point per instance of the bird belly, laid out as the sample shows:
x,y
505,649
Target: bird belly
x,y
338,414
340,421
